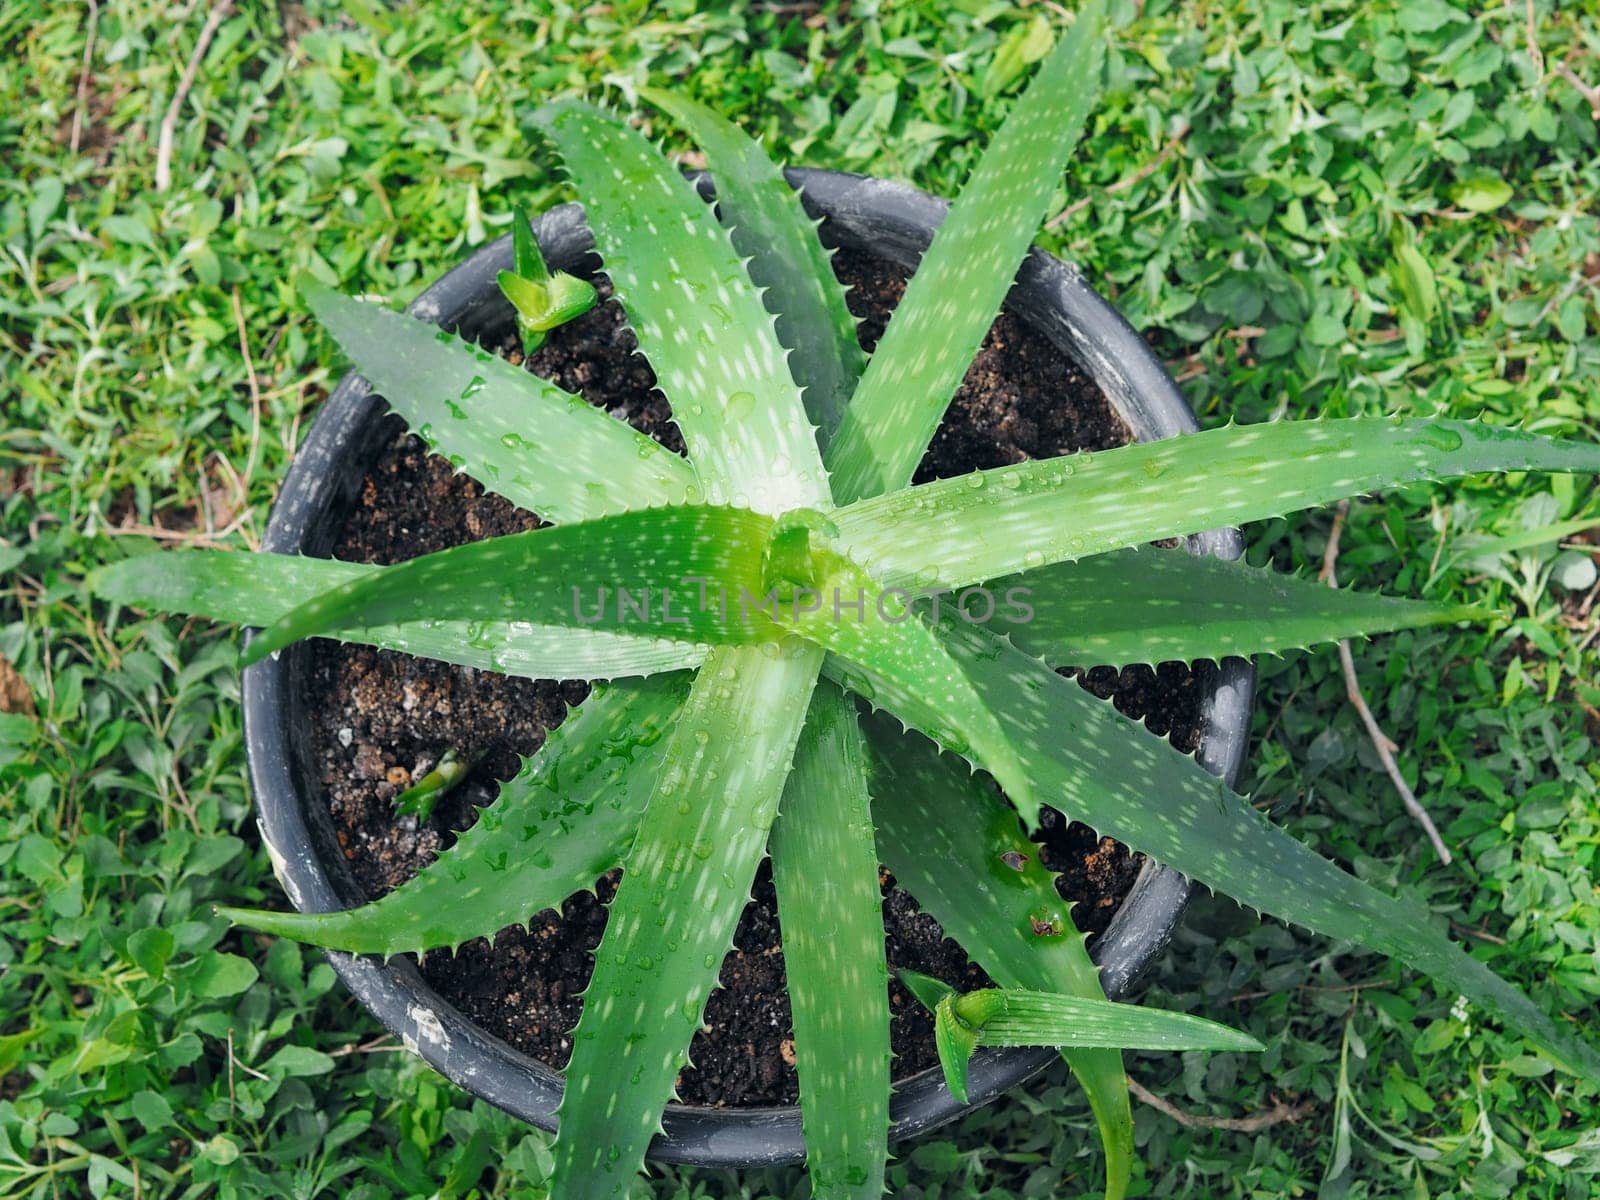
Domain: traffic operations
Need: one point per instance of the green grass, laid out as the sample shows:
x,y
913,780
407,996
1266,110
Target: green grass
x,y
1409,228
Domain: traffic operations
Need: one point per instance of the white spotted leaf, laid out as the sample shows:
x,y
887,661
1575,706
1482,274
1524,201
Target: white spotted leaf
x,y
684,884
1018,518
521,436
963,278
825,872
261,589
560,575
698,317
1151,606
770,227
1020,1017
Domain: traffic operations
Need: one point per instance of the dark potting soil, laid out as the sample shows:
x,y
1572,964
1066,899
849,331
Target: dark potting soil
x,y
380,719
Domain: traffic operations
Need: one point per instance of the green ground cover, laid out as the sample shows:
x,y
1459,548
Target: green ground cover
x,y
1336,209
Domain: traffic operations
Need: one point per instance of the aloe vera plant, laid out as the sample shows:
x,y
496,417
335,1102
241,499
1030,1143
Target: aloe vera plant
x,y
788,685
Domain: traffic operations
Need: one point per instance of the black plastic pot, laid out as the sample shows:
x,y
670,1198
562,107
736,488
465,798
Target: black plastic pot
x,y
885,219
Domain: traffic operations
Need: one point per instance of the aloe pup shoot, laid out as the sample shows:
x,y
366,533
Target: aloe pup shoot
x,y
542,299
834,739
1017,1017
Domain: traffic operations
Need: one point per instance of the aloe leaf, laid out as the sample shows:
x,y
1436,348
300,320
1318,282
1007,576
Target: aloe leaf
x,y
860,624
1007,1017
955,1041
260,589
523,437
1134,606
526,256
952,841
992,523
683,886
1015,1017
562,822
825,870
927,990
543,305
771,228
559,575
1018,1017
698,318
1149,606
1075,752
953,297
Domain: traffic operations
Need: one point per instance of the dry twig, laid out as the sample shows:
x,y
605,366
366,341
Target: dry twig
x,y
234,1062
1535,55
255,401
1482,935
382,1044
1240,997
169,123
1381,741
83,76
1278,1114
1591,94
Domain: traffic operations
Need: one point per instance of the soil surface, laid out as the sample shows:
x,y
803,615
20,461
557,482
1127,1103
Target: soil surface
x,y
380,719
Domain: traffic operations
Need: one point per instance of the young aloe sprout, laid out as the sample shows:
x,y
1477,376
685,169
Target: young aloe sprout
x,y
1017,1017
543,299
746,740
418,799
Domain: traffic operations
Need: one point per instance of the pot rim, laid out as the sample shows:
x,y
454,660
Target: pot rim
x,y
890,220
